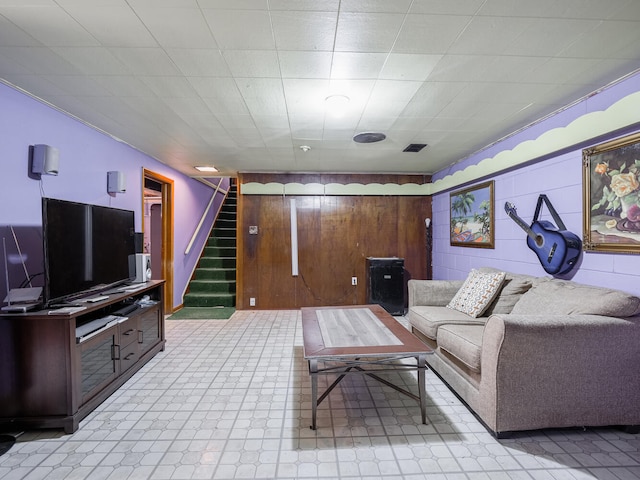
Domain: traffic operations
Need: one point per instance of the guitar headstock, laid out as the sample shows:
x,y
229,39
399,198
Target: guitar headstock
x,y
510,208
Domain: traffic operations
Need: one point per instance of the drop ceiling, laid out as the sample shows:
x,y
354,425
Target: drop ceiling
x,y
241,84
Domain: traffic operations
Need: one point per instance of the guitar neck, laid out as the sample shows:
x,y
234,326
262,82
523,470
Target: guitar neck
x,y
512,214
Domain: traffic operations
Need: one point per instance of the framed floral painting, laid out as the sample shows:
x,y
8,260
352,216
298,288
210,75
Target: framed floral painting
x,y
471,214
611,185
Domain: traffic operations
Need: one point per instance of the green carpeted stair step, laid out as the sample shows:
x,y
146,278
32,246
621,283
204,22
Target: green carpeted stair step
x,y
225,242
212,286
215,274
209,299
217,262
219,252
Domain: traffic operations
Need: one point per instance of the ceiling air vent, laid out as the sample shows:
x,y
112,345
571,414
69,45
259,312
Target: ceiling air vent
x,y
414,147
369,137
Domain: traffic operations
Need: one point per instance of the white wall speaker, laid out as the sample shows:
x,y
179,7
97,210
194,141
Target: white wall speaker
x,y
45,160
140,267
116,182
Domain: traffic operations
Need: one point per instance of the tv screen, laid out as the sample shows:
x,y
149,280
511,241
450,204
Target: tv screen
x,y
86,248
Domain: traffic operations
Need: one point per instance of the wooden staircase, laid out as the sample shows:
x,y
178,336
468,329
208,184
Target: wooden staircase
x,y
214,281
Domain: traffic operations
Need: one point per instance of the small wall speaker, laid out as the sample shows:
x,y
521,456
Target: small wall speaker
x,y
116,182
140,267
45,160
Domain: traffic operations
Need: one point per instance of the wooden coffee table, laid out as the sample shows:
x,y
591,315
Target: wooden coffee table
x,y
343,340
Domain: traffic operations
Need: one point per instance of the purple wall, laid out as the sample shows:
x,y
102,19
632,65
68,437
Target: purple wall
x,y
85,157
561,179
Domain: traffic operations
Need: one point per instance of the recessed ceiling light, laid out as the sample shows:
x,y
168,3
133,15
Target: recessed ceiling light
x,y
305,148
206,169
336,104
369,137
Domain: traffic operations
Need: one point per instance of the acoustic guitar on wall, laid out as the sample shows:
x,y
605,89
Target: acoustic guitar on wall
x,y
557,249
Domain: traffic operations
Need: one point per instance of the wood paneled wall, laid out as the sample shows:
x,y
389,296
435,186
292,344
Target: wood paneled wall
x,y
335,236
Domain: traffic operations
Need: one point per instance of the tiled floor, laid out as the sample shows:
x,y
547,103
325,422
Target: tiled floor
x,y
231,399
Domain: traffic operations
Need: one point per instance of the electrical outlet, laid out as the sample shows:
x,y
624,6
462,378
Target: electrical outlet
x,y
252,302
354,280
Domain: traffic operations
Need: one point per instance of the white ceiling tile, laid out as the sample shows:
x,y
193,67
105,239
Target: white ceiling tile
x,y
566,9
39,60
367,32
263,96
548,37
235,4
273,122
101,21
123,85
381,6
92,60
305,96
490,35
48,24
305,64
350,65
403,66
199,62
12,36
432,34
605,40
146,61
163,3
447,7
295,30
165,86
177,27
309,5
252,63
187,107
241,29
78,85
213,87
222,106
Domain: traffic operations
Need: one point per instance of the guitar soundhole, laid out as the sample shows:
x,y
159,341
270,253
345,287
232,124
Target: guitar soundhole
x,y
539,240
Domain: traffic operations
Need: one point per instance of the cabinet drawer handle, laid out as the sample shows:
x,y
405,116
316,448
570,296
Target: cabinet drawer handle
x,y
129,332
140,336
114,355
130,356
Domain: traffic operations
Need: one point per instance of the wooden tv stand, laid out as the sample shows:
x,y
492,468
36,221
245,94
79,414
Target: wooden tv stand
x,y
49,379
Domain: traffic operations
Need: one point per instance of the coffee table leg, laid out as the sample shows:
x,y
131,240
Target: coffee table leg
x,y
422,366
313,371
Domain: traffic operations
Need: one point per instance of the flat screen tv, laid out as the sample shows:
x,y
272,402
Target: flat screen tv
x,y
86,248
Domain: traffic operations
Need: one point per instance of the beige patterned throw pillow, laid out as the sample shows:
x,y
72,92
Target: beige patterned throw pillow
x,y
477,292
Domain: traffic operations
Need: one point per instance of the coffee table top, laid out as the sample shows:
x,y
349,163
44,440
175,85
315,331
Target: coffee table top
x,y
356,330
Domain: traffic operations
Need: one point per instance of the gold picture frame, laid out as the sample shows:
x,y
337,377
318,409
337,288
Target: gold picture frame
x,y
472,216
611,196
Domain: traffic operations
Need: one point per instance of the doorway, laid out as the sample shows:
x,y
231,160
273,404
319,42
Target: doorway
x,y
157,205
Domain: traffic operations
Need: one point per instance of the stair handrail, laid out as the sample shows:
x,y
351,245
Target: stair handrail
x,y
204,216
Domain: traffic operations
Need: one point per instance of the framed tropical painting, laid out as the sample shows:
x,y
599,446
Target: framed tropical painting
x,y
472,216
611,196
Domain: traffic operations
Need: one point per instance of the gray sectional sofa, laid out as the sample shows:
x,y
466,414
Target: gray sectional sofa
x,y
545,353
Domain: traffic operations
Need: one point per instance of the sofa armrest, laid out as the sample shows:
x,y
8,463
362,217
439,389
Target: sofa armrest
x,y
436,293
560,370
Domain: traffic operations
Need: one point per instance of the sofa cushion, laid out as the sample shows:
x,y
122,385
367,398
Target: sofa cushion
x,y
463,342
427,319
477,292
513,287
563,297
